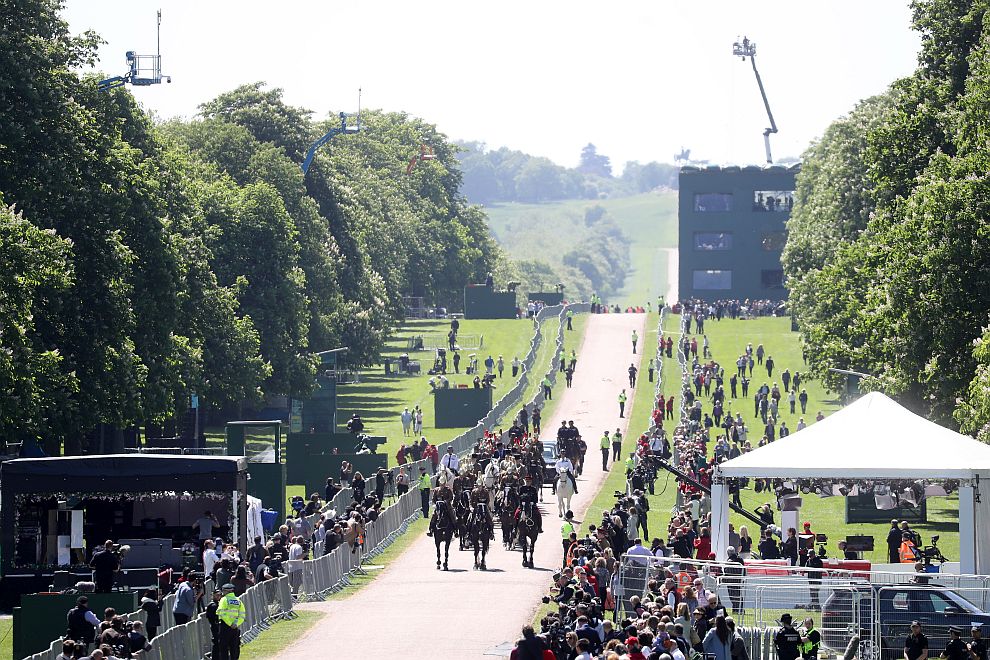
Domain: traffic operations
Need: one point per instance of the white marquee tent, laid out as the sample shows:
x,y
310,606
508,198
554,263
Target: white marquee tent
x,y
874,438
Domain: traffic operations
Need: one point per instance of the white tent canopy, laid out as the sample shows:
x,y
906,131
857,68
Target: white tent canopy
x,y
873,438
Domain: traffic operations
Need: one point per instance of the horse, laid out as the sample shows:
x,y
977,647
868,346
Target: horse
x,y
462,511
506,504
480,531
527,531
442,526
445,477
565,491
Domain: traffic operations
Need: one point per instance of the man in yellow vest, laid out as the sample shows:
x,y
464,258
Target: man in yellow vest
x,y
231,613
630,464
570,319
425,486
622,403
566,530
811,640
606,443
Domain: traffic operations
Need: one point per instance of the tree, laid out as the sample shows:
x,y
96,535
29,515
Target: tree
x,y
37,265
594,163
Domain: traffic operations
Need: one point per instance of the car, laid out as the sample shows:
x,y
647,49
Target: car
x,y
549,460
890,609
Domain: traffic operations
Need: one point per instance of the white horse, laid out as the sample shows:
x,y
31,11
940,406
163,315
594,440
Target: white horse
x,y
445,477
489,480
565,491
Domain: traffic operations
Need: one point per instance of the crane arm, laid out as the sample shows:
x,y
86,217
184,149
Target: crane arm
x,y
766,104
343,128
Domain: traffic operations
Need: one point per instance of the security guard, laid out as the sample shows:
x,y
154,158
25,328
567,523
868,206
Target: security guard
x,y
566,530
630,464
956,648
978,645
811,640
606,444
570,319
787,640
425,486
231,613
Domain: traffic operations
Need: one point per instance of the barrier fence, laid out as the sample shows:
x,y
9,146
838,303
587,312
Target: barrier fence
x,y
870,609
314,578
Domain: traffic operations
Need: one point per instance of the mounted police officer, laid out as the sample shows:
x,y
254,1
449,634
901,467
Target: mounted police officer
x,y
232,613
563,465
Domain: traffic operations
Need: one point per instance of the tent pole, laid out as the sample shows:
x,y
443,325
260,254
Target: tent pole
x,y
720,517
967,528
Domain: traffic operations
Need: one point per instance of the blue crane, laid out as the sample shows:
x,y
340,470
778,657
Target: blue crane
x,y
744,49
342,129
143,70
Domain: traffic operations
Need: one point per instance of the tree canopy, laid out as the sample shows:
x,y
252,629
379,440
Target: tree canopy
x,y
887,252
146,262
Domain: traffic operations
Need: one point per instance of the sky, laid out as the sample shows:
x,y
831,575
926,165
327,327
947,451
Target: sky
x,y
638,79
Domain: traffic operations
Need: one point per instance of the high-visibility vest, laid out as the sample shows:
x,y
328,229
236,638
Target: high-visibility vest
x,y
630,464
617,437
807,647
622,397
566,530
231,610
684,579
425,483
908,553
605,442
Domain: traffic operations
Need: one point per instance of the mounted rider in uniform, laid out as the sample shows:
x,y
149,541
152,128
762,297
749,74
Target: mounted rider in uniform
x,y
446,495
564,465
528,496
480,499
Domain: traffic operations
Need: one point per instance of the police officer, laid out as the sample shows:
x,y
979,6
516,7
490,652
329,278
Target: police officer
x,y
564,465
231,612
977,645
566,530
616,445
630,464
425,486
787,640
606,442
811,640
956,648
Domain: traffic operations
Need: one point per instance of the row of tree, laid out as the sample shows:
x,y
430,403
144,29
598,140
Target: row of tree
x,y
144,262
504,175
888,243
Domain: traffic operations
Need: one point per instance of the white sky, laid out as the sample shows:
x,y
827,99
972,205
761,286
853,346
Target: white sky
x,y
639,79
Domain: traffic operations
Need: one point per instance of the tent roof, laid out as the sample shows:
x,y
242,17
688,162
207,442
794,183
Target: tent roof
x,y
873,437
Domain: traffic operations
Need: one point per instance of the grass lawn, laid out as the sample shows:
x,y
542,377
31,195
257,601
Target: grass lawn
x,y
827,515
415,530
379,399
6,638
273,641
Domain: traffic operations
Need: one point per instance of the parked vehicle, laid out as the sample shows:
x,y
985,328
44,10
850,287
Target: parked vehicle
x,y
889,610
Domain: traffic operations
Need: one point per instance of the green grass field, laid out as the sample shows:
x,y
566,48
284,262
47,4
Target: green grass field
x,y
271,642
379,399
728,340
6,638
649,220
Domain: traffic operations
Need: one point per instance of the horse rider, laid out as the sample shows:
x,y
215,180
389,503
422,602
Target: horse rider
x,y
489,481
563,465
563,438
442,494
528,495
481,496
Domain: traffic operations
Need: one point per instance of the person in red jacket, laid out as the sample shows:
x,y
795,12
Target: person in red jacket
x,y
703,544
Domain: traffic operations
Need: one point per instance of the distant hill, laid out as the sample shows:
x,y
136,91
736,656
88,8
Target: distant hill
x,y
618,247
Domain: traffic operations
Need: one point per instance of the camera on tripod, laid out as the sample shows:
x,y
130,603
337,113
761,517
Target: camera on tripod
x,y
932,552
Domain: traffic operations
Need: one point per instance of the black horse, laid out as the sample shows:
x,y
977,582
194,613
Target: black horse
x,y
506,503
442,526
481,531
528,530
